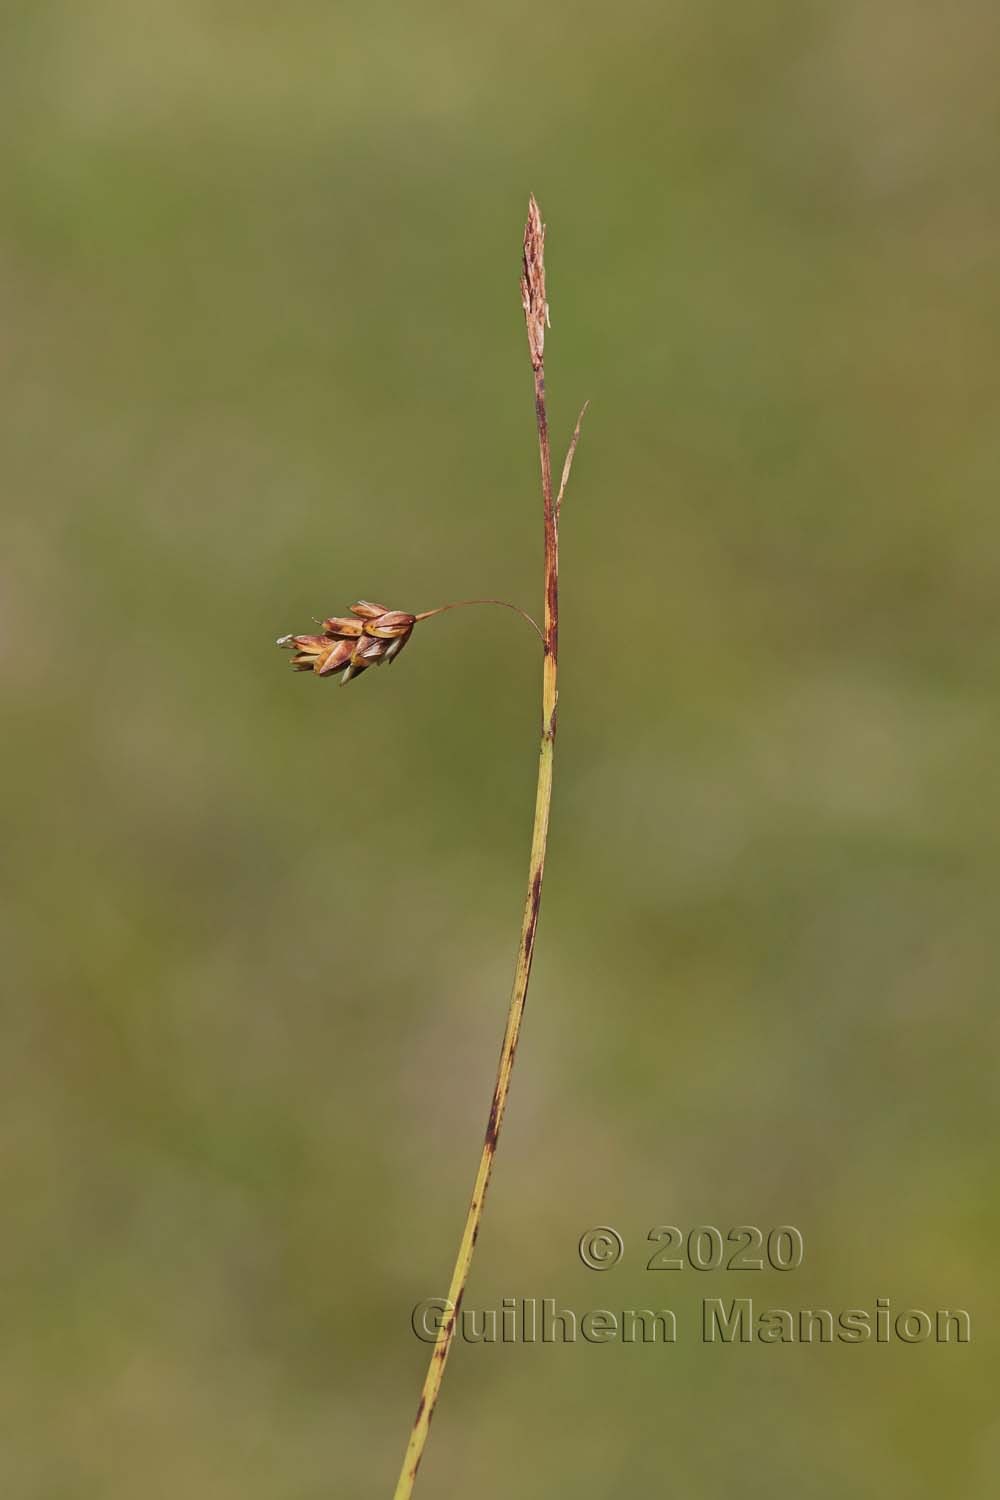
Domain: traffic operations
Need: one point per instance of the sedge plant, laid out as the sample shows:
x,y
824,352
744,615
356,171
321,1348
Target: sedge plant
x,y
372,635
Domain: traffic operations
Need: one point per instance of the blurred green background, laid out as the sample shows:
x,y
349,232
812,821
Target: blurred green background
x,y
262,354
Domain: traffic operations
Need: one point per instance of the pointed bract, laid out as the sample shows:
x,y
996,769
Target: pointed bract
x,y
341,625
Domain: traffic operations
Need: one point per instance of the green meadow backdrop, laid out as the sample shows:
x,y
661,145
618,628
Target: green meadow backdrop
x,y
263,353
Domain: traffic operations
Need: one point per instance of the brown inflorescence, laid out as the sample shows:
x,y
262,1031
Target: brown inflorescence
x,y
349,646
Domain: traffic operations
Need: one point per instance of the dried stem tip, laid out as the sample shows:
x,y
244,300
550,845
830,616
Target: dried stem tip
x,y
536,309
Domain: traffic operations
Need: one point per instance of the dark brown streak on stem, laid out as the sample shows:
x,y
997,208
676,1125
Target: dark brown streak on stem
x,y
491,1123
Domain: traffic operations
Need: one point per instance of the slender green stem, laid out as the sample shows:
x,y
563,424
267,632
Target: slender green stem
x,y
498,1105
533,292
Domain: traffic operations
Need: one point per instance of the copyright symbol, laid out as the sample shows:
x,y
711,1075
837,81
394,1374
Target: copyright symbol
x,y
600,1248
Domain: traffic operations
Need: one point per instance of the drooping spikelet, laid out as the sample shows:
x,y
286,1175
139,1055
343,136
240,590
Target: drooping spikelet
x,y
350,646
